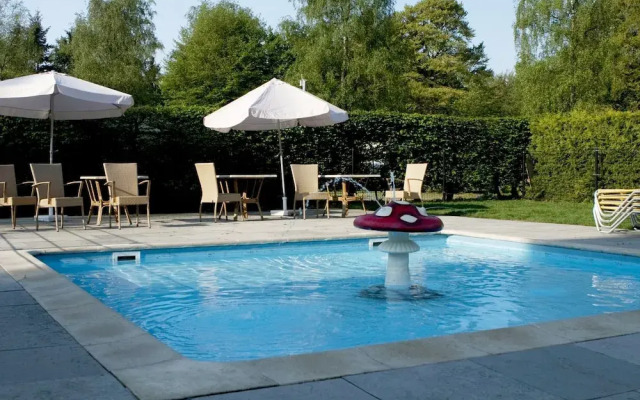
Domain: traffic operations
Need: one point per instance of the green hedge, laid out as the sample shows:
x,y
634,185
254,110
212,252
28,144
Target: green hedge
x,y
563,147
481,155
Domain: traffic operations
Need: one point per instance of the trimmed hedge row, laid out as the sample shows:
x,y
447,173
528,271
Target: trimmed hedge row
x,y
480,155
563,147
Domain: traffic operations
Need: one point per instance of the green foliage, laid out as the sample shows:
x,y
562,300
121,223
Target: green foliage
x,y
494,96
114,45
224,52
444,60
350,53
61,58
22,49
481,155
578,54
564,145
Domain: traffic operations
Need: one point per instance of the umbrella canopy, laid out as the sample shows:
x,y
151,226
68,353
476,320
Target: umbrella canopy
x,y
58,96
275,105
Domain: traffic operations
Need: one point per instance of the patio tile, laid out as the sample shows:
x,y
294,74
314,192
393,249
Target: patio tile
x,y
635,395
7,283
29,326
625,348
314,366
337,389
461,380
567,371
103,387
15,298
182,377
132,352
45,363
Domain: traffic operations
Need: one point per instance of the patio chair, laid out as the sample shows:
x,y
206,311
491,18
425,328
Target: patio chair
x,y
611,207
412,189
122,181
48,182
305,179
212,194
9,192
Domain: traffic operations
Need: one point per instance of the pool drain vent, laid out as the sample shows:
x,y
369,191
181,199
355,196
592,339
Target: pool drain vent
x,y
376,242
126,256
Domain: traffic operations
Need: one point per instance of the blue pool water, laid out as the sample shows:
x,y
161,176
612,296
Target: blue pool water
x,y
253,301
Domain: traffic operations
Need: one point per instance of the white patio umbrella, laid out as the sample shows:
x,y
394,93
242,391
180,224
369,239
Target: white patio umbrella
x,y
275,105
56,96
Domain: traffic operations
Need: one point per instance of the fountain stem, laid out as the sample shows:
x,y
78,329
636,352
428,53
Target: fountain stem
x,y
398,246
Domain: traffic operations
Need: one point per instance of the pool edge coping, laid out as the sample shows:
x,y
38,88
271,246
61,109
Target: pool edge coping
x,y
116,343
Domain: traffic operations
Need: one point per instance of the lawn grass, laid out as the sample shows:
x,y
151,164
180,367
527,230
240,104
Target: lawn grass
x,y
473,205
558,212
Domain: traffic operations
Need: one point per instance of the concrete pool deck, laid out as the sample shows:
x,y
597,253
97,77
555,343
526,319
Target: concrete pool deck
x,y
59,342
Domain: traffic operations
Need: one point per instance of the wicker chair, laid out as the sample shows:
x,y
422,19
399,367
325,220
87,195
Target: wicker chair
x,y
212,194
9,192
122,180
305,179
49,186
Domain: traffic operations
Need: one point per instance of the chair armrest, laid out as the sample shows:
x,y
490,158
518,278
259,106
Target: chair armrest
x,y
35,185
417,180
112,189
148,182
80,183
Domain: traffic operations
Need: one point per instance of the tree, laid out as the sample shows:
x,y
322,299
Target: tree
x,y
350,53
224,52
42,49
444,61
578,54
495,96
22,40
60,58
114,45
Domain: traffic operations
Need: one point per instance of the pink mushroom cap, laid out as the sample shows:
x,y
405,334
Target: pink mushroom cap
x,y
399,216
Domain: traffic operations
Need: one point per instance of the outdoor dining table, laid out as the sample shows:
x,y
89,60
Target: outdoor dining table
x,y
250,191
92,183
346,198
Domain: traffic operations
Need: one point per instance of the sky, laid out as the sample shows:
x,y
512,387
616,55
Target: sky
x,y
492,21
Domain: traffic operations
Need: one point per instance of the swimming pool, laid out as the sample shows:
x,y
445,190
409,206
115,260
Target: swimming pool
x,y
254,301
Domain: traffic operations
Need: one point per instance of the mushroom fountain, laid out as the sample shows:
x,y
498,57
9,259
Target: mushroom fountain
x,y
399,218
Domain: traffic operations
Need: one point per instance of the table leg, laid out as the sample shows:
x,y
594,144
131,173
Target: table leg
x,y
345,201
236,212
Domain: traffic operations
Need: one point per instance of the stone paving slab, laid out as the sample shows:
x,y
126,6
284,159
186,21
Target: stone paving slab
x,y
7,283
46,363
625,348
28,326
15,298
457,380
332,389
567,371
102,387
635,395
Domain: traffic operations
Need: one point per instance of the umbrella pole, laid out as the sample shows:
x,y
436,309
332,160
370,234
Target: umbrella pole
x,y
284,194
51,141
50,156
